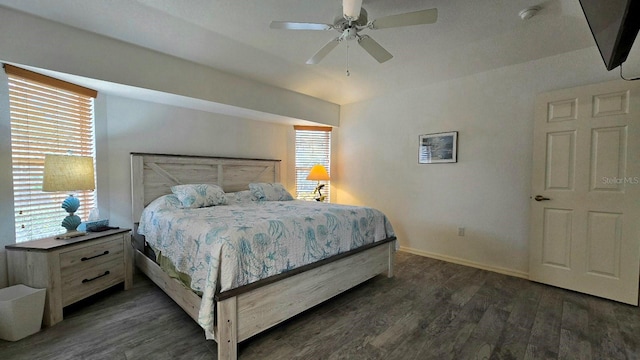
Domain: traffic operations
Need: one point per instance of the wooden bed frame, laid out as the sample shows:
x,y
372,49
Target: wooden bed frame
x,y
251,309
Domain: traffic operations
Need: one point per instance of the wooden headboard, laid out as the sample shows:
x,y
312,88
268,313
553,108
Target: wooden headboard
x,y
153,175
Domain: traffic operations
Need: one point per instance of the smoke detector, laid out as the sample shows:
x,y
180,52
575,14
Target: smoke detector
x,y
529,12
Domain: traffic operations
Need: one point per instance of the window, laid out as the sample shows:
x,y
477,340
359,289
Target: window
x,y
48,116
313,146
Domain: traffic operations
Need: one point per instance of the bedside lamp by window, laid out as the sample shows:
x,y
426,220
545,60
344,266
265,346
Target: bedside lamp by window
x,y
68,173
318,173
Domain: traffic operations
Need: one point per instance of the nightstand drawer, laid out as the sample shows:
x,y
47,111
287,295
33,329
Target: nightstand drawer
x,y
84,258
80,284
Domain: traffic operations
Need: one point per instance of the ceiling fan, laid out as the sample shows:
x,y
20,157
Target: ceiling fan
x,y
352,22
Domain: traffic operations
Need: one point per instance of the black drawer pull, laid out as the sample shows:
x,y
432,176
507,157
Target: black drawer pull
x,y
106,252
97,277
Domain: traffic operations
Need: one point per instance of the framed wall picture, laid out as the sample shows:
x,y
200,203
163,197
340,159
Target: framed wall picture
x,y
438,148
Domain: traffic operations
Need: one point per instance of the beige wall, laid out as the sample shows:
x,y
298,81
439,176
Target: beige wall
x,y
487,191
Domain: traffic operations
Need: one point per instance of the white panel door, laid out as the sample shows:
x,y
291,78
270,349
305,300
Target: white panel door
x,y
585,203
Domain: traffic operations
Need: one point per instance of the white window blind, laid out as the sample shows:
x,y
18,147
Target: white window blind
x,y
48,116
313,146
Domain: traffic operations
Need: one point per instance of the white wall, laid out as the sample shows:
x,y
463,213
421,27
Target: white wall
x,y
139,126
121,124
487,191
7,234
33,41
126,125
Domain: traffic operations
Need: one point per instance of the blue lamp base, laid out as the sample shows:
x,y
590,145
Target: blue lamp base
x,y
71,222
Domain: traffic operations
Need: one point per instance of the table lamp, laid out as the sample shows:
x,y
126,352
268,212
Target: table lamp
x,y
68,173
318,173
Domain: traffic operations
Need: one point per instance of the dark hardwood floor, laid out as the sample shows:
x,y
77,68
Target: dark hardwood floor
x,y
429,310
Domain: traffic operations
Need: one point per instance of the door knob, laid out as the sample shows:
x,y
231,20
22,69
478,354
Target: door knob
x,y
541,198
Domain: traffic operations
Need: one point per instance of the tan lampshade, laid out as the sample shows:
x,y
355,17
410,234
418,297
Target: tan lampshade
x,y
68,173
317,173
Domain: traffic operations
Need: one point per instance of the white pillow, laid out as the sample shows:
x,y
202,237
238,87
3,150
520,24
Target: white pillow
x,y
199,195
269,192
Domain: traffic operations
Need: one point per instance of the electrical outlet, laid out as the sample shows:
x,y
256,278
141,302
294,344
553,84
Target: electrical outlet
x,y
460,231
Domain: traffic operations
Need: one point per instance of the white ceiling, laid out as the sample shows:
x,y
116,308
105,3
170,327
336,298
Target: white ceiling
x,y
470,36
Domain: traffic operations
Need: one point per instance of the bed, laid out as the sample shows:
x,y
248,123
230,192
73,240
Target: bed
x,y
246,308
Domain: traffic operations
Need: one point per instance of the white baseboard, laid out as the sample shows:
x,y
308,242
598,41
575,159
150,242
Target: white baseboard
x,y
455,260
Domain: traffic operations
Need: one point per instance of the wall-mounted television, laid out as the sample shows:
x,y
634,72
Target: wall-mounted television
x,y
614,25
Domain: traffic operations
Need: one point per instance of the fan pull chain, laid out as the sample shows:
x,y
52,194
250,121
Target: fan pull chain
x,y
348,73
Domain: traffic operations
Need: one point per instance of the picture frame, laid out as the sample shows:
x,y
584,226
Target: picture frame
x,y
438,148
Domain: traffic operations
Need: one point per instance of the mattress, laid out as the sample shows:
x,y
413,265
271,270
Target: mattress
x,y
220,248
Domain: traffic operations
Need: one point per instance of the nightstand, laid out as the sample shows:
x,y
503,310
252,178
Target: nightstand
x,y
72,269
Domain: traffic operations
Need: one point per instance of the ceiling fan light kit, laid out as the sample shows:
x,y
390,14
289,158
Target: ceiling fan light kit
x,y
354,20
351,9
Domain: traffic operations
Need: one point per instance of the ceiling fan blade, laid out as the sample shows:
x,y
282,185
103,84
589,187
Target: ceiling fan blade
x,y
290,25
324,51
421,17
374,49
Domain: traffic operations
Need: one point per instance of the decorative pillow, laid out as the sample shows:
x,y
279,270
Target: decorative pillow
x,y
164,202
169,201
269,192
240,197
199,195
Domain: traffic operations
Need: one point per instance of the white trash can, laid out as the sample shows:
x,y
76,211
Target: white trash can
x,y
21,310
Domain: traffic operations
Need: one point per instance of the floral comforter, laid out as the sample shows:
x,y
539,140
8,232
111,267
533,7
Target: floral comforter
x,y
246,241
